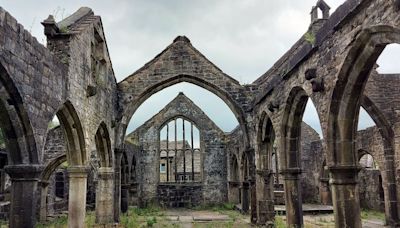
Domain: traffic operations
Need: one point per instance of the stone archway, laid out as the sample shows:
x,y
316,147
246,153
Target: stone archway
x,y
44,182
105,186
342,124
180,62
290,154
24,168
265,172
77,160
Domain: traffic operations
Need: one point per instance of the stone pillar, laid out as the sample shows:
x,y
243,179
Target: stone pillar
x,y
391,201
346,203
233,192
77,196
253,201
105,196
43,200
124,197
293,200
24,180
117,183
325,192
265,207
245,196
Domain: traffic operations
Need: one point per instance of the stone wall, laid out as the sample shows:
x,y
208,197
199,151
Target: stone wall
x,y
213,155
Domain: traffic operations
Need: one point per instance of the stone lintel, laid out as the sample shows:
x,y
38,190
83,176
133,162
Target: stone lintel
x,y
344,174
24,172
78,171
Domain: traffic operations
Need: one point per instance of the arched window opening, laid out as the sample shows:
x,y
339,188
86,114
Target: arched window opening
x,y
367,161
180,157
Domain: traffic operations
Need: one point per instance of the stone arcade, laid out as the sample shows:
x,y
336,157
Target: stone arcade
x,y
270,158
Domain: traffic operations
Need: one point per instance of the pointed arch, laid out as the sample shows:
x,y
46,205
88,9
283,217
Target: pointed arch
x,y
15,123
343,115
73,132
52,166
103,145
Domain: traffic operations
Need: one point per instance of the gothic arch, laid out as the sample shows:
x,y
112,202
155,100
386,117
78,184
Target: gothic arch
x,y
52,166
103,145
73,132
181,62
15,123
162,84
343,113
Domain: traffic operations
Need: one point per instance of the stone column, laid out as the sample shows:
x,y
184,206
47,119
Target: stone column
x,y
293,200
265,207
346,202
245,196
124,197
325,192
117,183
233,192
391,201
24,180
105,196
77,196
43,200
253,201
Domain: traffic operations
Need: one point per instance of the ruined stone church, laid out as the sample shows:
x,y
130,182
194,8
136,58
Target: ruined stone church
x,y
180,158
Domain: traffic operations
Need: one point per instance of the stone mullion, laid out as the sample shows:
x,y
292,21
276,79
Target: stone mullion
x,y
176,152
191,138
184,150
167,152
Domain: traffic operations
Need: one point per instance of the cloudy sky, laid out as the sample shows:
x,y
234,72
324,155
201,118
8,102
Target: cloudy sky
x,y
243,37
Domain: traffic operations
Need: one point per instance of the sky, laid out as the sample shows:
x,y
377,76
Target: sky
x,y
244,38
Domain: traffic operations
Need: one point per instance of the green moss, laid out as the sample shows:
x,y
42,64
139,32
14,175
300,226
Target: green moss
x,y
310,38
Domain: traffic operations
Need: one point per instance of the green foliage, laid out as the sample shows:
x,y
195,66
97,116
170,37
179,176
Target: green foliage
x,y
151,221
279,223
310,38
371,214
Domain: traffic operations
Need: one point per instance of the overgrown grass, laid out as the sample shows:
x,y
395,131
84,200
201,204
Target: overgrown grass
x,y
279,222
59,222
371,214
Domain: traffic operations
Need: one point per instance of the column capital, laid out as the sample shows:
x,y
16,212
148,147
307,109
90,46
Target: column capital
x,y
44,183
290,173
106,173
24,172
78,171
265,173
343,174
